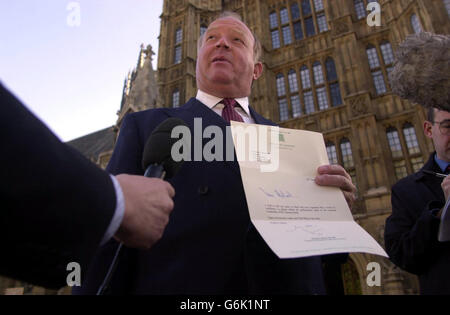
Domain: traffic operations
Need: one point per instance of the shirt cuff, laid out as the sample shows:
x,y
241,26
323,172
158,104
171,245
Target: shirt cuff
x,y
118,214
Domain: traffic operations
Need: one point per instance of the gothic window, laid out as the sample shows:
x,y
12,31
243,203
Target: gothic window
x,y
178,36
281,86
306,81
282,102
296,106
318,5
380,70
297,20
386,51
309,25
319,81
276,39
322,98
415,23
176,98
394,143
379,83
335,91
273,21
331,152
284,16
306,7
411,139
284,110
287,37
309,102
318,73
397,153
177,58
373,57
298,31
203,29
405,150
178,43
347,155
360,9
322,23
292,78
289,95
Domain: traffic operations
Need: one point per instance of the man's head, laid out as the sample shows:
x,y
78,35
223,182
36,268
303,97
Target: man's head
x,y
228,58
422,70
437,128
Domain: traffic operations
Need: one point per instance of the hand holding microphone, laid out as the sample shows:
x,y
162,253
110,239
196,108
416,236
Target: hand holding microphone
x,y
148,204
148,201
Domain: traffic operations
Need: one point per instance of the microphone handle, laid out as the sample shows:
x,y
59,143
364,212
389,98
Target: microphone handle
x,y
152,171
155,171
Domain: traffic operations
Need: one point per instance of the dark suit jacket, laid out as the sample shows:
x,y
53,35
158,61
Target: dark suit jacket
x,y
55,204
209,245
411,231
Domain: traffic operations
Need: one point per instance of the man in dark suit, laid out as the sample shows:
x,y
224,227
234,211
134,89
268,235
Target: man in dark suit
x,y
57,207
422,74
209,245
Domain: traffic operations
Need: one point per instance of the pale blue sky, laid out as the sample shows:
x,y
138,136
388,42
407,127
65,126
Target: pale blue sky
x,y
72,77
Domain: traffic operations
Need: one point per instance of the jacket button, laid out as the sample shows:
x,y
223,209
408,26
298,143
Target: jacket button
x,y
203,190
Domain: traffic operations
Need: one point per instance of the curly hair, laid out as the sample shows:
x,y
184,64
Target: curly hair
x,y
422,70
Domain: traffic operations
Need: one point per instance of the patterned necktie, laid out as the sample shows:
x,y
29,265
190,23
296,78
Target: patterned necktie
x,y
228,112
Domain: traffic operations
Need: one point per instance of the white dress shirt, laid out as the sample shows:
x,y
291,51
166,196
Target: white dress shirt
x,y
214,104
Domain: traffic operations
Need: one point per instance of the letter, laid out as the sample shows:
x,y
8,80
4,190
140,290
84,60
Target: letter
x,y
240,143
274,152
374,278
216,143
74,17
374,18
181,150
183,305
74,278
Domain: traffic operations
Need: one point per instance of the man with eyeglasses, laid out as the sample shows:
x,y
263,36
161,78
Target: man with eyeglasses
x,y
422,75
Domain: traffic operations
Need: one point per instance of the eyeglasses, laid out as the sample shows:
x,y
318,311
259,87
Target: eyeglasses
x,y
444,126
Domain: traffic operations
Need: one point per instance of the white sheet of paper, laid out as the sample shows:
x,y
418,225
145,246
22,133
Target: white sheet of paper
x,y
295,216
444,226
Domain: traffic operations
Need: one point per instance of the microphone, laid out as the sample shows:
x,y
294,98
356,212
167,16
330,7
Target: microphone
x,y
157,162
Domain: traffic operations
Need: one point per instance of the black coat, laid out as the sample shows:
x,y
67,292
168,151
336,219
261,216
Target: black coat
x,y
55,204
411,233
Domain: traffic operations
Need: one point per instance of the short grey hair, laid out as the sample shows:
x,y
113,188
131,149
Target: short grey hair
x,y
257,47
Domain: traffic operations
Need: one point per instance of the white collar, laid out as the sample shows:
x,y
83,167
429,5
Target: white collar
x,y
211,101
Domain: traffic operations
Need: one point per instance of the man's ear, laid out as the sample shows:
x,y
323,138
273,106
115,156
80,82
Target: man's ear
x,y
427,128
258,70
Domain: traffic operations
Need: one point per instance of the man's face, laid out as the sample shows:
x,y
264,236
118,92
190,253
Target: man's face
x,y
437,134
225,63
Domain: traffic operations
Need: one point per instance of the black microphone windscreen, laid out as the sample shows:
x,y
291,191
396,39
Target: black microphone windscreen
x,y
158,148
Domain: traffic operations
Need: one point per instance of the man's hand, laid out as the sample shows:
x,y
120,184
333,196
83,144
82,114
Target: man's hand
x,y
336,176
148,204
